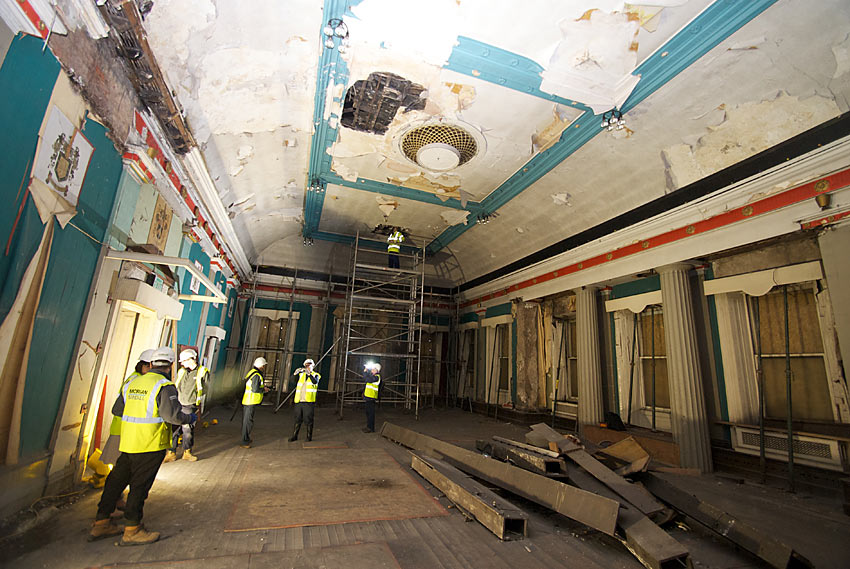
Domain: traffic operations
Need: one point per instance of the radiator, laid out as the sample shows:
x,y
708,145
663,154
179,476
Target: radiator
x,y
809,450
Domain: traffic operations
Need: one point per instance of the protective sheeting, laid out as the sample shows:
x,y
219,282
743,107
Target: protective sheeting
x,y
15,338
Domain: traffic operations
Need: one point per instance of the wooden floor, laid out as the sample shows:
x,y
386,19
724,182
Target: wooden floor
x,y
229,509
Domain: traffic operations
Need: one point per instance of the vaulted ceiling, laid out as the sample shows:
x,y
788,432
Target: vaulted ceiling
x,y
436,116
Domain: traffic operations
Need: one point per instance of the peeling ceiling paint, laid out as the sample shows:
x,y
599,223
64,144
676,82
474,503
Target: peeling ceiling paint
x,y
246,75
746,130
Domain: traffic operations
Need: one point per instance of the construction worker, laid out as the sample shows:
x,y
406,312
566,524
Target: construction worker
x,y
254,390
145,405
372,375
305,398
190,382
394,242
110,449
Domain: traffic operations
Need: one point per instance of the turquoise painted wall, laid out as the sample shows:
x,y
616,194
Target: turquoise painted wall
x,y
468,317
125,207
228,326
187,328
27,77
73,260
498,310
639,286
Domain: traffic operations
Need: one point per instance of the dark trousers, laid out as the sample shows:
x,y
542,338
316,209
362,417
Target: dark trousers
x,y
139,471
304,414
370,413
392,261
247,423
188,431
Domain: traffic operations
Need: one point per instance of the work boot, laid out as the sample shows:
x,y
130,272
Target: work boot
x,y
309,434
187,455
104,528
138,535
294,436
170,456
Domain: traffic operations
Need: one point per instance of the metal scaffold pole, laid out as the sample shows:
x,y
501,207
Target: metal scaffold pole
x,y
383,323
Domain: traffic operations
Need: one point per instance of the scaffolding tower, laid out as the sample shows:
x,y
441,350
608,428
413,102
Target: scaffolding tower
x,y
382,323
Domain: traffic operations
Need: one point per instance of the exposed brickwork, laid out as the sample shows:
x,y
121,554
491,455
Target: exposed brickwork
x,y
101,79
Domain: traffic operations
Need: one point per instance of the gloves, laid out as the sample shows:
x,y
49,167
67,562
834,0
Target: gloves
x,y
193,418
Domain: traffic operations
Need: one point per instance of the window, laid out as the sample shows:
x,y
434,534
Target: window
x,y
467,379
653,358
810,395
566,362
503,349
271,337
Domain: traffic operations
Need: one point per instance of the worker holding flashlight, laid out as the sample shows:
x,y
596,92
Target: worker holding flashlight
x,y
372,375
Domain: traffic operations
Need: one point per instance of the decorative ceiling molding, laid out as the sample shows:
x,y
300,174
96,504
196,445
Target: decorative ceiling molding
x,y
398,192
643,241
713,25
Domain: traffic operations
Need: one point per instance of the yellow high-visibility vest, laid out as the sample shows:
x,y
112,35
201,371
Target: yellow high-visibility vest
x,y
394,242
142,428
115,427
251,397
305,391
372,387
199,382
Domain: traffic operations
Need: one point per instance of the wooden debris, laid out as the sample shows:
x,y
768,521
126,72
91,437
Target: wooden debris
x,y
494,512
637,496
774,552
529,460
629,451
585,507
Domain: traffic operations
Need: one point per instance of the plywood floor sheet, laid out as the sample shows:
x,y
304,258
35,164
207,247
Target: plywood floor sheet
x,y
328,486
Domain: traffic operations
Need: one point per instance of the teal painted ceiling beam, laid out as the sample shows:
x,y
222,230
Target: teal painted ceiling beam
x,y
495,65
717,22
331,69
366,242
712,26
398,192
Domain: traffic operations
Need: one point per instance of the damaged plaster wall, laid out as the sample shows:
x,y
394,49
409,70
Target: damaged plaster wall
x,y
742,132
527,384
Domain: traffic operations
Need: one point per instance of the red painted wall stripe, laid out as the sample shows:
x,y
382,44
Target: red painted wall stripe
x,y
767,205
33,17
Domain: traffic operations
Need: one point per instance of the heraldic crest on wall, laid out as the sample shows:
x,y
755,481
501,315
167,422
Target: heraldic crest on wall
x,y
63,157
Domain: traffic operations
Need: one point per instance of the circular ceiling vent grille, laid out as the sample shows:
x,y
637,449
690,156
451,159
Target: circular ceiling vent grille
x,y
439,147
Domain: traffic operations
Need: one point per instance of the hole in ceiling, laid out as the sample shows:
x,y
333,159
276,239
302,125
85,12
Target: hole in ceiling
x,y
439,146
371,104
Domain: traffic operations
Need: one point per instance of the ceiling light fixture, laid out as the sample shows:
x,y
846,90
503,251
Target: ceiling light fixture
x,y
484,218
613,119
336,28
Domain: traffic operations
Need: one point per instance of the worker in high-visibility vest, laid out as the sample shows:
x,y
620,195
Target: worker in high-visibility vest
x,y
305,398
146,404
254,390
190,387
110,449
394,242
372,375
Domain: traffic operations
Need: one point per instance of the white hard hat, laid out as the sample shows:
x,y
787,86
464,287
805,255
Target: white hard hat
x,y
309,362
376,367
163,355
188,354
260,362
147,356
